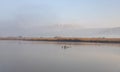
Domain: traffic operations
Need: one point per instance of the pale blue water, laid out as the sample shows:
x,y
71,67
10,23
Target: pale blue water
x,y
28,56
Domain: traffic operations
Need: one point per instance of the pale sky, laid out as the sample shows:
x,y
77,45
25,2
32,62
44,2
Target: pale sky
x,y
87,13
21,14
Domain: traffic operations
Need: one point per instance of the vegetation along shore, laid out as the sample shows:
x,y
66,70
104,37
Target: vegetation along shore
x,y
64,39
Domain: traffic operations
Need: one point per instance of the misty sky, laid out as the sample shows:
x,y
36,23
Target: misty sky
x,y
22,14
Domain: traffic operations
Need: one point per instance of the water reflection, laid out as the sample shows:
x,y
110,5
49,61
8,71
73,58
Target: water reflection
x,y
75,43
38,56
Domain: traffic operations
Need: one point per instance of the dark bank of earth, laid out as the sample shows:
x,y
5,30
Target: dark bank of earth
x,y
65,39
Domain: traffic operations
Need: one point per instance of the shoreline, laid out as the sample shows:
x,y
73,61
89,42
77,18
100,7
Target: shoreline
x,y
64,39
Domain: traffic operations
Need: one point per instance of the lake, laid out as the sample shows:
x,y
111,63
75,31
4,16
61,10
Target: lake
x,y
38,56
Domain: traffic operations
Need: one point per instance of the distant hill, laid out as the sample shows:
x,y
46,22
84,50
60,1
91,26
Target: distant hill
x,y
69,30
84,32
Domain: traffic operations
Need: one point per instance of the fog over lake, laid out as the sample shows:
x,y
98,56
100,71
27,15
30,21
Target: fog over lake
x,y
67,30
60,17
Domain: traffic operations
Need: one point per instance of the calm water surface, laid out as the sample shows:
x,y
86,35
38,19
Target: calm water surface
x,y
25,56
